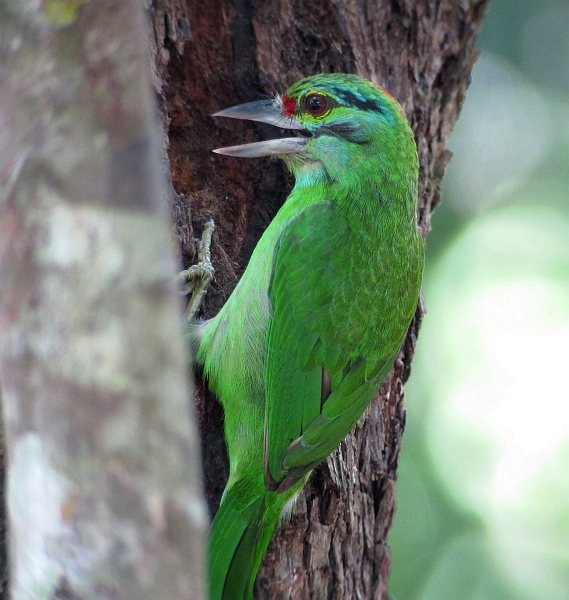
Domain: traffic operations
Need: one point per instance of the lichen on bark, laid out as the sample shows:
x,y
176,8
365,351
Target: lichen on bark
x,y
103,462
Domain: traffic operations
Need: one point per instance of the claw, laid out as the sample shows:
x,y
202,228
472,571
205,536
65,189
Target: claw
x,y
197,278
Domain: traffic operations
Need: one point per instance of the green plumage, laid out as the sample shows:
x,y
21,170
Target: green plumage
x,y
315,323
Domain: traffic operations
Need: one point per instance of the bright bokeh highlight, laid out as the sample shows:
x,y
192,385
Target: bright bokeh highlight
x,y
483,489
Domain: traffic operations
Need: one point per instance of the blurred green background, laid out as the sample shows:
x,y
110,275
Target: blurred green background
x,y
483,489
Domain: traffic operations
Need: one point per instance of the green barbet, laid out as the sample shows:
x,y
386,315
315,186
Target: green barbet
x,y
303,343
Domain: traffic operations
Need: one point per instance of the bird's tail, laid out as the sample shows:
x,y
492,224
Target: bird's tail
x,y
240,535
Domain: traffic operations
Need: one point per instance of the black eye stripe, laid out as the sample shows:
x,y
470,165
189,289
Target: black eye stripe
x,y
347,98
345,131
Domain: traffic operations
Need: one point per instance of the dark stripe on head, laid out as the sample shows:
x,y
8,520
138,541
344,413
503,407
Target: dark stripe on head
x,y
343,130
347,98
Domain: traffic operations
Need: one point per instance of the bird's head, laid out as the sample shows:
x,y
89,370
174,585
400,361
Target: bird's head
x,y
345,123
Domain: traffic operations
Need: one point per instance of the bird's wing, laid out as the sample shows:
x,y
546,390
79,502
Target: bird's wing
x,y
316,386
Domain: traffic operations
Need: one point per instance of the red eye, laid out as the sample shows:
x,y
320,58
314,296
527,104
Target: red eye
x,y
316,104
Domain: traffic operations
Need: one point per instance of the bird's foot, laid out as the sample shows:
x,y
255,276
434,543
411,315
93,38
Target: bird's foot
x,y
196,278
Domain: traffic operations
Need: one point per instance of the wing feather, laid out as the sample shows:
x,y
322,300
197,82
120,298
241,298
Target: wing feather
x,y
311,339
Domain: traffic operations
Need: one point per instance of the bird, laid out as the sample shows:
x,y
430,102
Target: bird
x,y
301,346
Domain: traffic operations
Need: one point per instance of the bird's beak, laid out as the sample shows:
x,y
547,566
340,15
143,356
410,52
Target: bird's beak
x,y
264,111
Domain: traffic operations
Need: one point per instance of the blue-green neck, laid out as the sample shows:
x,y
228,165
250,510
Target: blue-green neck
x,y
368,189
377,174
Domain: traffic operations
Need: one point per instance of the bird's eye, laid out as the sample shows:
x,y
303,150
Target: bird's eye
x,y
316,104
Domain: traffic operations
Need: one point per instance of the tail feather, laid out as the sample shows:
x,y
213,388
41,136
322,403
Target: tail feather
x,y
240,535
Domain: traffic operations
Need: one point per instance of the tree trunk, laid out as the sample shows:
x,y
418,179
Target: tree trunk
x,y
105,495
215,54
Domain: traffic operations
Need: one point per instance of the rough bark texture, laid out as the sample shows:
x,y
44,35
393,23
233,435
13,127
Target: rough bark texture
x,y
214,54
105,495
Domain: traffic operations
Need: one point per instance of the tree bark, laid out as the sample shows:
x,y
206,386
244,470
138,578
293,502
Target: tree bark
x,y
105,495
215,54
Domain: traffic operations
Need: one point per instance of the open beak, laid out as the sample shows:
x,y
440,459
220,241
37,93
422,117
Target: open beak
x,y
264,111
